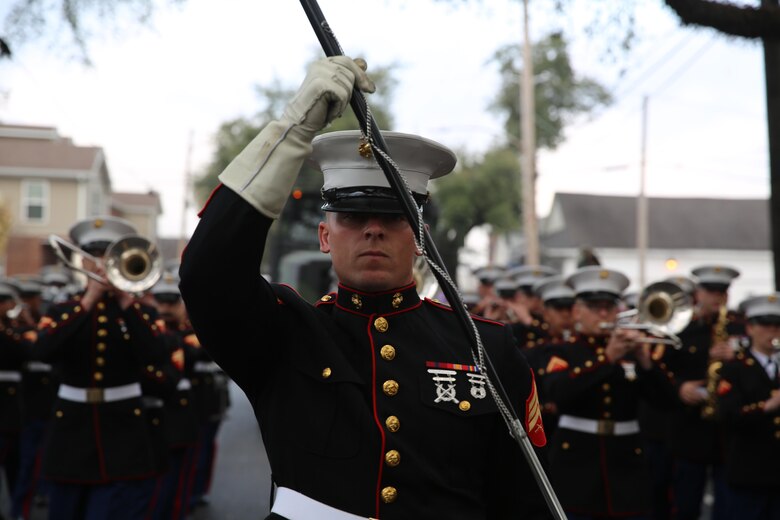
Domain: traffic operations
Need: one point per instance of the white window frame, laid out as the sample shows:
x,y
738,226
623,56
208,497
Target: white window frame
x,y
44,201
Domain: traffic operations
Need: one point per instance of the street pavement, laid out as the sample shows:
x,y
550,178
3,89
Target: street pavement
x,y
241,484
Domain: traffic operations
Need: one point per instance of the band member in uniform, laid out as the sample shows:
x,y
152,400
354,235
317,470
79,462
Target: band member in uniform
x,y
172,495
98,457
369,400
486,278
557,299
597,464
749,394
696,436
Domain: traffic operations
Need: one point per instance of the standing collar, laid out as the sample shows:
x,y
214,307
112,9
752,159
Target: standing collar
x,y
385,302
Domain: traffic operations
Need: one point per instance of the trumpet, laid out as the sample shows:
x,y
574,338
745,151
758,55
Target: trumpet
x,y
132,263
664,309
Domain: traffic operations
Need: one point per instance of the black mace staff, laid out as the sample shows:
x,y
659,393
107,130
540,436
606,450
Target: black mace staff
x,y
370,129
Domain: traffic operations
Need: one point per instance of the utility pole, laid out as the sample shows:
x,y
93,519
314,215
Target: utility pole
x,y
641,203
528,147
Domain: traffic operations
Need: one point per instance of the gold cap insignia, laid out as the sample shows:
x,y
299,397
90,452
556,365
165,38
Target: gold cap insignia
x,y
98,223
771,298
604,275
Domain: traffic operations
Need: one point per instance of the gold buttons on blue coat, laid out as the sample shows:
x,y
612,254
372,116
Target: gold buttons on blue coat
x,y
393,423
390,387
464,406
392,458
389,494
387,352
381,324
326,372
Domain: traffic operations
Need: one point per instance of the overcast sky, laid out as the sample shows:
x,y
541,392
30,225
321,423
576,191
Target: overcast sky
x,y
198,65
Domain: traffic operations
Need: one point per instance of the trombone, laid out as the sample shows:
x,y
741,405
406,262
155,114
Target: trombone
x,y
664,309
132,263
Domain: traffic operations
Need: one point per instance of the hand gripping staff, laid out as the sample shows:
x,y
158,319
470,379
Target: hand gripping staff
x,y
413,213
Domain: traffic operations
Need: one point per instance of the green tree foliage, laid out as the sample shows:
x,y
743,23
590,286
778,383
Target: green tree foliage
x,y
560,93
482,191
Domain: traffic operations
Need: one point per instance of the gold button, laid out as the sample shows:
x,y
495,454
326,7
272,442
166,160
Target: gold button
x,y
691,349
11,390
777,435
101,306
600,350
77,308
777,420
98,376
64,316
589,363
127,337
601,359
464,406
591,341
326,372
605,387
389,494
146,316
156,421
102,333
58,413
101,347
607,400
150,368
183,401
606,415
577,370
565,446
100,361
326,298
390,387
158,373
393,424
387,352
381,324
392,458
638,451
102,319
137,412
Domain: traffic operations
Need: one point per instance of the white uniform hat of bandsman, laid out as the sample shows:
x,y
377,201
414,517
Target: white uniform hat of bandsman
x,y
596,282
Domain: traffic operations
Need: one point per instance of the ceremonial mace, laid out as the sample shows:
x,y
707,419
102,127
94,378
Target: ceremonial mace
x,y
331,47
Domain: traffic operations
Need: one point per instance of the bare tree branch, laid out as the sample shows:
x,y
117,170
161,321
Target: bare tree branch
x,y
729,18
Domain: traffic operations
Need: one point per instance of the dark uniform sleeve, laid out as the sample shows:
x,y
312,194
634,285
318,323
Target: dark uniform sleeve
x,y
742,412
229,303
512,488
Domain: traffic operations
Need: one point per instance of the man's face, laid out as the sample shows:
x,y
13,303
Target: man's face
x,y
590,314
171,309
559,317
761,335
710,301
370,252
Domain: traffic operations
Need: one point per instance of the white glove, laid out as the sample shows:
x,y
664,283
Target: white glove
x,y
264,172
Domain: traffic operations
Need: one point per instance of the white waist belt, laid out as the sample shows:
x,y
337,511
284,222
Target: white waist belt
x,y
183,384
99,395
205,366
10,376
296,506
37,366
598,427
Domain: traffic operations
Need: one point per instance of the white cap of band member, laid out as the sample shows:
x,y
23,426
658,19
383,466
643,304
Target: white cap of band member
x,y
354,182
553,288
596,282
100,232
761,306
719,276
528,275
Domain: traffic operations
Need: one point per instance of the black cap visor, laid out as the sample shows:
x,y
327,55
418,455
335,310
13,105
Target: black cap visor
x,y
365,199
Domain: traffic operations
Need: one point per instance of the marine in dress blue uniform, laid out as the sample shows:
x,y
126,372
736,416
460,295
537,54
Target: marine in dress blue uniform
x,y
696,441
749,394
597,379
369,402
99,454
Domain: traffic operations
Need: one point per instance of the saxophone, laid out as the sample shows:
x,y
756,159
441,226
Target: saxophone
x,y
719,333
